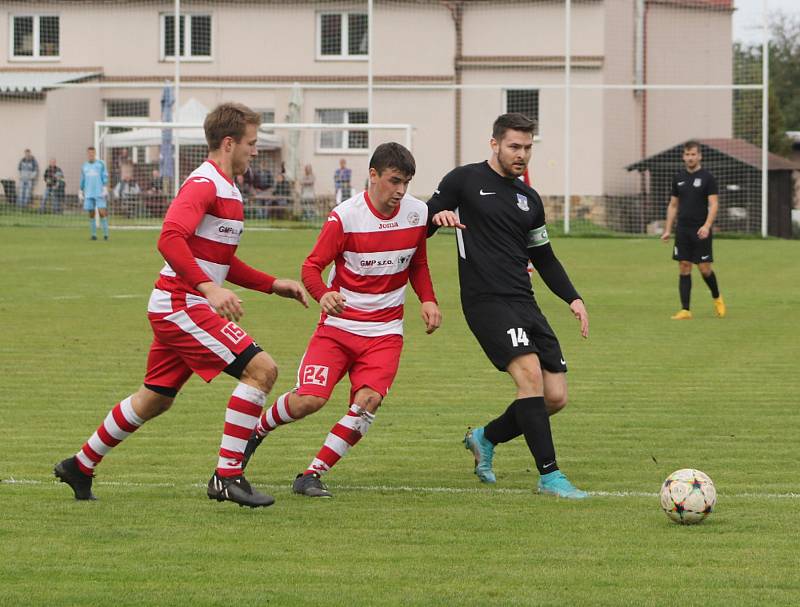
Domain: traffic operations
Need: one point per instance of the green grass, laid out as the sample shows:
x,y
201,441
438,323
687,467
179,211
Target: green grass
x,y
409,524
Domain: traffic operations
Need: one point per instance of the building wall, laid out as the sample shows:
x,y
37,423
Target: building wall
x,y
23,127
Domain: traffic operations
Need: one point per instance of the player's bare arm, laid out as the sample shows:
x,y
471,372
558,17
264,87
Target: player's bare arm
x,y
226,303
431,316
713,207
291,289
447,219
332,303
672,211
579,310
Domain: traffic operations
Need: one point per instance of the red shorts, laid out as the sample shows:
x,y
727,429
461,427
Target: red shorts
x,y
371,362
194,339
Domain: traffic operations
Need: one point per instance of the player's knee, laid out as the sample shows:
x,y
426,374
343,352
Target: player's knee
x,y
306,405
369,401
261,372
555,402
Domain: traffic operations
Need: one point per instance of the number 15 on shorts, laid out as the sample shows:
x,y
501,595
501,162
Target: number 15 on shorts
x,y
518,337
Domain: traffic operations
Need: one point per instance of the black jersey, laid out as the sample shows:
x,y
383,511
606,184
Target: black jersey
x,y
503,217
692,191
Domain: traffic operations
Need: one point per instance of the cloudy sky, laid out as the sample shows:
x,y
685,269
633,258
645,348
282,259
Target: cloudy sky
x,y
747,18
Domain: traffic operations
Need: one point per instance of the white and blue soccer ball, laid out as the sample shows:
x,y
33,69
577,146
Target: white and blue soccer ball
x,y
688,496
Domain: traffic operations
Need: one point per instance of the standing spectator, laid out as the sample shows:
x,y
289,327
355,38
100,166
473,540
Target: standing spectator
x,y
28,174
155,203
307,198
281,195
94,191
341,181
54,187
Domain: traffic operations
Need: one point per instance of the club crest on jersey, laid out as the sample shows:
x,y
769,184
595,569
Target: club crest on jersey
x,y
697,182
413,218
522,202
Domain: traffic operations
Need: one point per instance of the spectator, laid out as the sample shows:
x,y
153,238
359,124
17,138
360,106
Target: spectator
x,y
54,187
341,181
281,194
28,174
262,178
128,193
307,197
156,202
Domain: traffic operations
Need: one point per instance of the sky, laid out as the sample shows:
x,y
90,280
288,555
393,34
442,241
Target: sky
x,y
747,17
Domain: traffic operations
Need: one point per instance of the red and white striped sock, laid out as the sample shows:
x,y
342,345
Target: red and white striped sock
x,y
344,434
241,417
276,415
118,425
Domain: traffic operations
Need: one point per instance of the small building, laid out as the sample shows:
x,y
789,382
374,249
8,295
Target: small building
x,y
736,164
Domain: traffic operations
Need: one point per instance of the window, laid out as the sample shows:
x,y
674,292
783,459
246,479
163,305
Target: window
x,y
342,35
343,140
267,117
526,102
35,37
128,108
195,36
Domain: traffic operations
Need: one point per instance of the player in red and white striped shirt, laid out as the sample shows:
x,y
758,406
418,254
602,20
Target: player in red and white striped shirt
x,y
193,316
376,241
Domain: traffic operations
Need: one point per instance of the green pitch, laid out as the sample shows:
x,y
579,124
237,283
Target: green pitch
x,y
409,523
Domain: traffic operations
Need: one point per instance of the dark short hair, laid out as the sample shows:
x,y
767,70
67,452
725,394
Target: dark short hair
x,y
228,120
91,147
393,156
513,121
692,144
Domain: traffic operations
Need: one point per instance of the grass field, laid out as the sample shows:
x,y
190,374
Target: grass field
x,y
409,524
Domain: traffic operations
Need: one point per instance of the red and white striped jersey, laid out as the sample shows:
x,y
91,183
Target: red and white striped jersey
x,y
199,239
373,258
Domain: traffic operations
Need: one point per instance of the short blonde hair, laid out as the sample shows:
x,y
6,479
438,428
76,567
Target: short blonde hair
x,y
228,120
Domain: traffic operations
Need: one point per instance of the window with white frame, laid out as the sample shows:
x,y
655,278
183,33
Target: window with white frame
x,y
129,110
194,36
525,102
343,140
267,117
342,35
35,37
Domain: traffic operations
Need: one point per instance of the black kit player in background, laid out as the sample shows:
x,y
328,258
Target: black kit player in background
x,y
500,226
694,200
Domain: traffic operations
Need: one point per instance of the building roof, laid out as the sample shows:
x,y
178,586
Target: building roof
x,y
738,149
36,81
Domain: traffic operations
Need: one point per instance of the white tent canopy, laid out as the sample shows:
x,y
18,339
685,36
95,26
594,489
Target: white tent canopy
x,y
192,112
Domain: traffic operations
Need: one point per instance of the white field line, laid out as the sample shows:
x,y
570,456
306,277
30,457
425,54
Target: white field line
x,y
408,489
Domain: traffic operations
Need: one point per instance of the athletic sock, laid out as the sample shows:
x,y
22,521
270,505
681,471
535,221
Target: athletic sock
x,y
346,433
685,288
93,227
104,225
711,281
241,417
504,427
118,425
276,415
534,421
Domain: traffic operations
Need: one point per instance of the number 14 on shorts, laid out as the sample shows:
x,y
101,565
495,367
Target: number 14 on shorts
x,y
518,337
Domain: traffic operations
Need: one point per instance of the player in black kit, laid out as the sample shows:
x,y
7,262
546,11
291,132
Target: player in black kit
x,y
694,200
500,226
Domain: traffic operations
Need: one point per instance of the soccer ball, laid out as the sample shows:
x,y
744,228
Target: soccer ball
x,y
688,496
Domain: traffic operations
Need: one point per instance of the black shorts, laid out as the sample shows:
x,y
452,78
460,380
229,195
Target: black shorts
x,y
506,329
689,246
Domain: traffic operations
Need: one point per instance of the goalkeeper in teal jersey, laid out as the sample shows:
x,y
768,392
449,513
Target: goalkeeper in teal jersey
x,y
94,191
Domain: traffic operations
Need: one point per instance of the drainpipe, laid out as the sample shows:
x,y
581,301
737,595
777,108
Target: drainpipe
x,y
640,75
457,13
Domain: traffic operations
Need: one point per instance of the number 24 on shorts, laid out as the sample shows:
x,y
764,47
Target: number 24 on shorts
x,y
518,337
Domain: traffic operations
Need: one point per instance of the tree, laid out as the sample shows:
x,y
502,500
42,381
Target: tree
x,y
784,86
